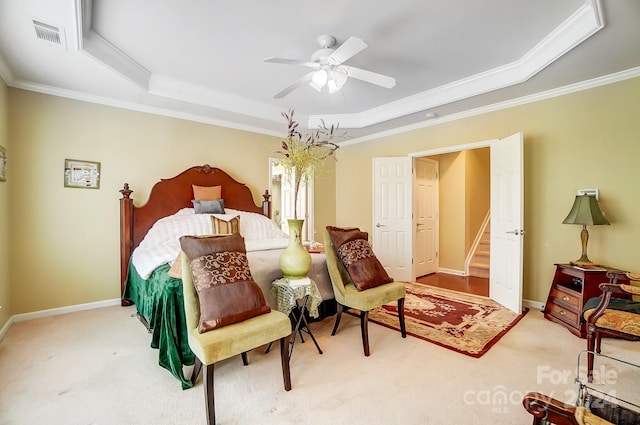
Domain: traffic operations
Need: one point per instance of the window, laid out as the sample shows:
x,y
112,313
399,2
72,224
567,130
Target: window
x,y
281,190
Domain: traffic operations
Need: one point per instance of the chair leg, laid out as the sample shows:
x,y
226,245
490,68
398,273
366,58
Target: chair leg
x,y
338,316
364,328
208,394
591,342
284,357
245,359
403,329
197,367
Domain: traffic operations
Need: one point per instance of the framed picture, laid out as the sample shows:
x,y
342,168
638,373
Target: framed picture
x,y
82,174
3,164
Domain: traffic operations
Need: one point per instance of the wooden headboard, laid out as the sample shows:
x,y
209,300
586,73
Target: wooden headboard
x,y
168,196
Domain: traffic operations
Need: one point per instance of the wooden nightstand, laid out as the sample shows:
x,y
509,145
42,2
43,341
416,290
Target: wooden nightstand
x,y
573,286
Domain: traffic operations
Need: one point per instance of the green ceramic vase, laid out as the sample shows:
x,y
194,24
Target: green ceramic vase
x,y
295,260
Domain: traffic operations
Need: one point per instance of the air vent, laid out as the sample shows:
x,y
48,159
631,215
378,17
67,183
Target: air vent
x,y
48,33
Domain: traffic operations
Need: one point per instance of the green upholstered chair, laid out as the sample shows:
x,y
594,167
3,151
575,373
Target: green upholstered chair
x,y
238,338
348,296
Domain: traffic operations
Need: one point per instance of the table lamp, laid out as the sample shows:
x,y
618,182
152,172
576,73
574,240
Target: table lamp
x,y
585,210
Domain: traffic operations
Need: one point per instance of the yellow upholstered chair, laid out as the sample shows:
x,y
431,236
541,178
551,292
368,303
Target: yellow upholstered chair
x,y
616,315
348,296
227,341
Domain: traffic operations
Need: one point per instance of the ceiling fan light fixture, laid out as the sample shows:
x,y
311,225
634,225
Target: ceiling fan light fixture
x,y
319,79
338,77
328,69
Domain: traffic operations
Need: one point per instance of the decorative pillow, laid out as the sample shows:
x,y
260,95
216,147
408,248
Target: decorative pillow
x,y
208,207
225,227
226,290
353,249
206,193
176,268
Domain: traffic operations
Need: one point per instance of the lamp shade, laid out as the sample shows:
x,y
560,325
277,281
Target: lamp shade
x,y
585,211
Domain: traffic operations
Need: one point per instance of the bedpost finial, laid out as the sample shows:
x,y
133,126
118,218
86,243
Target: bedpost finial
x,y
126,192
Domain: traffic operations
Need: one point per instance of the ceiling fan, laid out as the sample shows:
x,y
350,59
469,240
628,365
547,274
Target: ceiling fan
x,y
328,67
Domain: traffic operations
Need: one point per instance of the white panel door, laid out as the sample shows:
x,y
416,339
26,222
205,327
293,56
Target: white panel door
x,y
392,215
425,213
507,222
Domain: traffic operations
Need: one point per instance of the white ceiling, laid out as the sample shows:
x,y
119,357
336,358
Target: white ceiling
x,y
204,60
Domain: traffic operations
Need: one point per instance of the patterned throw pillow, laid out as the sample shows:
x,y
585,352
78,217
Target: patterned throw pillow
x,y
355,253
206,193
221,276
224,227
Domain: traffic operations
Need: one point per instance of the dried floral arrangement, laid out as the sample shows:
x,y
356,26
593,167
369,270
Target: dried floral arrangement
x,y
306,153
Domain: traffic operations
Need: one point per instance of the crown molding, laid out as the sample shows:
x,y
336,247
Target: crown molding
x,y
91,43
182,90
561,91
582,24
134,106
5,72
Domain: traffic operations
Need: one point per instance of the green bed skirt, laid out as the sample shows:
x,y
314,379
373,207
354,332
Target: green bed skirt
x,y
159,301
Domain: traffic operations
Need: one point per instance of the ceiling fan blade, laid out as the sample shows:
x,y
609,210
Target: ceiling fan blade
x,y
370,77
305,79
349,48
293,62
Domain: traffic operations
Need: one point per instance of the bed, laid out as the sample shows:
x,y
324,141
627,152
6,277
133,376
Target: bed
x,y
146,279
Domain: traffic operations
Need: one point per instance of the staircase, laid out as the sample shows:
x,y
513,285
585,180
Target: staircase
x,y
479,263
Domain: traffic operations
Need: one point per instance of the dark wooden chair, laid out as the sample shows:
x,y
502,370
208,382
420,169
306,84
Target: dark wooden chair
x,y
616,315
547,410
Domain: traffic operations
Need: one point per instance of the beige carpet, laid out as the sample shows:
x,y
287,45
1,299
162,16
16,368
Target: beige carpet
x,y
96,367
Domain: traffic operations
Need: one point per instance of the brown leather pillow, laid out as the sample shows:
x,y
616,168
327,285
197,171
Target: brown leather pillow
x,y
226,290
353,249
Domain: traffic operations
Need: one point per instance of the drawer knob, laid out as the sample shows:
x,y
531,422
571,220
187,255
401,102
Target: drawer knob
x,y
562,313
565,298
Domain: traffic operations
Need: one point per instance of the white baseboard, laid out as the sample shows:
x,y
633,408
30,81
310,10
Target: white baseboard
x,y
451,271
6,328
526,303
54,312
533,304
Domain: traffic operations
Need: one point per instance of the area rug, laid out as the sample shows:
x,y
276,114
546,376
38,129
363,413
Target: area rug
x,y
468,324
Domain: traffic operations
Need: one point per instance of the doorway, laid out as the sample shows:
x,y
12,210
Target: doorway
x,y
468,284
506,225
463,196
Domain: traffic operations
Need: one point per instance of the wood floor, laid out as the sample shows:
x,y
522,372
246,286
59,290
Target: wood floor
x,y
469,284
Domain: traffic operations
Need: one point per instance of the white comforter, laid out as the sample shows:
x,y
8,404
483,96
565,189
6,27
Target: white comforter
x,y
161,245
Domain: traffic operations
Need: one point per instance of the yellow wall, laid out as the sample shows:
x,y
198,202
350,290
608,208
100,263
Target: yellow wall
x,y
478,192
65,242
451,252
588,139
464,197
5,311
